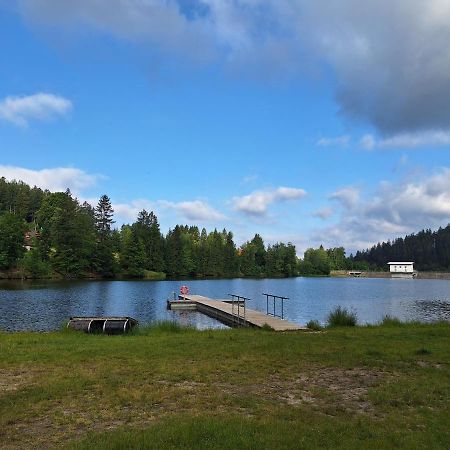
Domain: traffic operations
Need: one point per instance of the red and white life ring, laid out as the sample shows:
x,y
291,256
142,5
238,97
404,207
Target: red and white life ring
x,y
184,290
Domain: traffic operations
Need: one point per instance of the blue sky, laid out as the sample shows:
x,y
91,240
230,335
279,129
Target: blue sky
x,y
305,123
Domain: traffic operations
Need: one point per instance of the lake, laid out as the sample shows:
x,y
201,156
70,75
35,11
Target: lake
x,y
46,305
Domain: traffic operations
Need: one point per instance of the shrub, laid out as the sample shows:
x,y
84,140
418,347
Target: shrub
x,y
341,317
314,325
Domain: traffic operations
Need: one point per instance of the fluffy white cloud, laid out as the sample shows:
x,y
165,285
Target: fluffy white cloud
x,y
394,210
40,106
194,210
57,179
394,76
339,141
347,196
128,212
257,202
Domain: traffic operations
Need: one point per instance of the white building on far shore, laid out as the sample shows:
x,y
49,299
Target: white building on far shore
x,y
402,269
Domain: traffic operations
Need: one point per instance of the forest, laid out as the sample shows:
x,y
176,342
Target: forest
x,y
45,234
52,235
429,250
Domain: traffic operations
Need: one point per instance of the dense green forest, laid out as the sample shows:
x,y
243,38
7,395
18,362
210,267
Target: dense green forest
x,y
45,234
430,250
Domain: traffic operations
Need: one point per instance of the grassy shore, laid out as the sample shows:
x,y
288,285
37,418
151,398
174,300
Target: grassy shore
x,y
165,387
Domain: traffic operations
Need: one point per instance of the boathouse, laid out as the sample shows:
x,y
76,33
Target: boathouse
x,y
401,269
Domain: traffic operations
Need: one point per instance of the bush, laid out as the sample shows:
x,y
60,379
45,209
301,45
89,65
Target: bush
x,y
341,317
314,325
34,266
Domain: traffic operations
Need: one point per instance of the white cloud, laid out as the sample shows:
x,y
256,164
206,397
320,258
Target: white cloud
x,y
56,179
396,209
347,196
339,141
323,213
194,210
40,106
128,212
257,203
393,76
161,24
436,138
368,142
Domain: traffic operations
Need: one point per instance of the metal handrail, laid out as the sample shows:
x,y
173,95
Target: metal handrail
x,y
274,298
238,299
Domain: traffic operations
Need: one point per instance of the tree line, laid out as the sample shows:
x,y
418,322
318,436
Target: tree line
x,y
429,250
44,234
48,234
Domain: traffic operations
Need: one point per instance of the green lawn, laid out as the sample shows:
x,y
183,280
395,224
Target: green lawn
x,y
345,388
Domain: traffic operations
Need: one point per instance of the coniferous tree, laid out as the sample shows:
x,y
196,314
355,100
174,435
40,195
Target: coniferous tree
x,y
104,216
105,262
148,230
132,256
230,258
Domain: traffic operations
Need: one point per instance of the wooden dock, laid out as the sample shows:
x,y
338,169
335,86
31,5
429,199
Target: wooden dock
x,y
227,312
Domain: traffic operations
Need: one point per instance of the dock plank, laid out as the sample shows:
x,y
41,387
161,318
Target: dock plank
x,y
219,308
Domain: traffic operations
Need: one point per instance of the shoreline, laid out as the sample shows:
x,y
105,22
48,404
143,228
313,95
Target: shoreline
x,y
333,274
369,274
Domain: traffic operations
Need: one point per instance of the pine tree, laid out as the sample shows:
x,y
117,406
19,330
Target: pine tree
x,y
230,257
132,257
105,262
104,216
147,227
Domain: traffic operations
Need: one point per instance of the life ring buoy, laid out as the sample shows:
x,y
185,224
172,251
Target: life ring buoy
x,y
184,290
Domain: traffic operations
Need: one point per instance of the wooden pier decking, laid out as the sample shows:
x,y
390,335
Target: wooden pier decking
x,y
226,312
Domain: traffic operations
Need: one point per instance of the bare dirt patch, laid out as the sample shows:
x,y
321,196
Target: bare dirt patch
x,y
13,380
320,387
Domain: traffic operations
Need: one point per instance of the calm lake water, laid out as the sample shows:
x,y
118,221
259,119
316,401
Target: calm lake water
x,y
46,305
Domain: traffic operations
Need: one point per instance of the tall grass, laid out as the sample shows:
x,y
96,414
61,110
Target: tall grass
x,y
341,317
390,321
314,325
162,327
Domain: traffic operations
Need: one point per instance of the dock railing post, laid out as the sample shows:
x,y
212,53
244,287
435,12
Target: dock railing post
x,y
238,318
274,299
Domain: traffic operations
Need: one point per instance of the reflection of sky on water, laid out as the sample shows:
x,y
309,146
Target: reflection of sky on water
x,y
45,305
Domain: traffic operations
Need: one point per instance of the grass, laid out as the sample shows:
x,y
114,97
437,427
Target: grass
x,y
341,317
162,327
167,386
